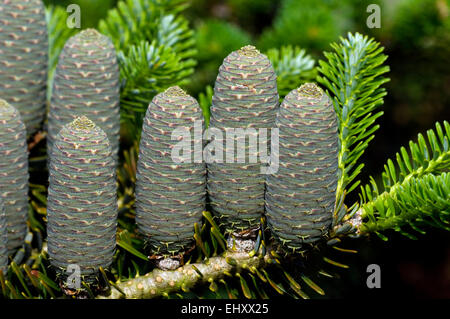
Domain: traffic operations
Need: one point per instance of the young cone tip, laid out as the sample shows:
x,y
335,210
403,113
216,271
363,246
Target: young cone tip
x,y
6,110
82,124
310,90
249,50
89,35
175,91
5,106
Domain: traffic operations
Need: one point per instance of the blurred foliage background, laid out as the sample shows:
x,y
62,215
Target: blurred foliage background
x,y
416,35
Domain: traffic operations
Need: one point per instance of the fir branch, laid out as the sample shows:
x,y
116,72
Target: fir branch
x,y
416,202
353,75
426,158
155,49
292,66
160,282
147,69
135,20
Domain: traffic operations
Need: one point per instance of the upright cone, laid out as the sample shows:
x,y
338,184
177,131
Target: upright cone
x,y
82,200
170,196
13,173
245,97
301,195
86,84
24,55
3,239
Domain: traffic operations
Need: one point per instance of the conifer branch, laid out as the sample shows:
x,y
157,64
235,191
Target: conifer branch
x,y
415,189
353,75
158,282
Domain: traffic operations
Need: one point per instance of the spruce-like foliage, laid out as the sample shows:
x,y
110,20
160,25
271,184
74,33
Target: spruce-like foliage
x,y
3,239
415,190
170,191
245,97
87,83
155,49
13,173
24,54
300,195
82,200
292,66
353,75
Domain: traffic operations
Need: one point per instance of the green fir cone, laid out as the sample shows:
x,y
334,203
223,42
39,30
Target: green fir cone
x,y
82,200
301,195
170,196
86,83
24,55
13,173
245,96
3,239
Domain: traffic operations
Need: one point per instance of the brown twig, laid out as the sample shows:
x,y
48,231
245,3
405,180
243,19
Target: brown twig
x,y
38,137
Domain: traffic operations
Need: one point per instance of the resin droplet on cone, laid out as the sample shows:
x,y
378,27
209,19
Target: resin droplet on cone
x,y
82,200
86,83
13,173
246,97
301,195
170,196
24,55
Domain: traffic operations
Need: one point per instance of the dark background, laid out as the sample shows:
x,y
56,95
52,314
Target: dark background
x,y
416,37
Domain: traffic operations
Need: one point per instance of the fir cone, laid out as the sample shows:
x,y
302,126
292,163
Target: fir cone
x,y
86,83
24,55
3,239
245,96
301,195
82,203
170,196
13,173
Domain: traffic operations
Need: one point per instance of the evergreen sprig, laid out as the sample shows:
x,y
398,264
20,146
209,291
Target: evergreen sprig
x,y
416,202
292,66
147,69
412,188
156,49
353,75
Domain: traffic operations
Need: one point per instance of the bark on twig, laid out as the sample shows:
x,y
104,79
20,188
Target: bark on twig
x,y
158,282
36,139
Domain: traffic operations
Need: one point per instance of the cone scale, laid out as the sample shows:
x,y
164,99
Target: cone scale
x,y
300,196
170,196
82,200
86,84
245,96
13,173
24,55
